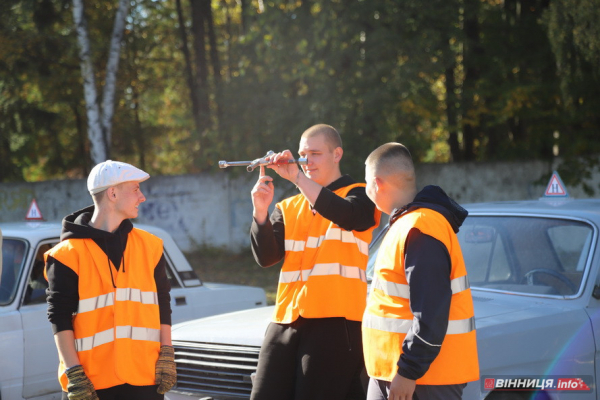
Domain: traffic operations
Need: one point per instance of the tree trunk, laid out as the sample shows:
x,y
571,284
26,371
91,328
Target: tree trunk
x,y
140,138
214,58
212,40
189,69
451,113
98,145
473,52
199,32
450,57
244,15
228,29
112,66
80,139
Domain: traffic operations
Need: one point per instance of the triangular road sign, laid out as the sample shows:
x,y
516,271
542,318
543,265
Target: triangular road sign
x,y
34,213
556,187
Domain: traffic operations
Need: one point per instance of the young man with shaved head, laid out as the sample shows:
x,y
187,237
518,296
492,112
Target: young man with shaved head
x,y
312,348
418,329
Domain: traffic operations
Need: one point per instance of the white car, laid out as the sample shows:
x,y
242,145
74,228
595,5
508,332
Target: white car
x,y
28,356
534,269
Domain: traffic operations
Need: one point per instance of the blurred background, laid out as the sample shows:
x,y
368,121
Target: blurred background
x,y
173,86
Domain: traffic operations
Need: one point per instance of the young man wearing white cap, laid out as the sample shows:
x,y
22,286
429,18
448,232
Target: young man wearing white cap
x,y
108,296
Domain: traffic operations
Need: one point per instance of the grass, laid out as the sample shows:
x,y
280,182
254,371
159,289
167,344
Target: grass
x,y
216,265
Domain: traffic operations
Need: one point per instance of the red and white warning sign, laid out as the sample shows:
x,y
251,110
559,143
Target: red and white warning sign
x,y
34,213
556,188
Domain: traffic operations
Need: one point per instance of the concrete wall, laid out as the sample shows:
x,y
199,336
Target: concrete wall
x,y
206,209
500,181
216,210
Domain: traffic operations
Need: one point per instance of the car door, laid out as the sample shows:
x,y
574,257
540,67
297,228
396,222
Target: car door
x,y
11,330
191,299
40,355
182,299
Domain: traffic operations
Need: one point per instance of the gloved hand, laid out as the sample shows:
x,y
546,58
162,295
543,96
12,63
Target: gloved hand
x,y
166,374
80,387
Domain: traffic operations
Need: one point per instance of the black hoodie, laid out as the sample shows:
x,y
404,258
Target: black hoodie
x,y
427,268
63,282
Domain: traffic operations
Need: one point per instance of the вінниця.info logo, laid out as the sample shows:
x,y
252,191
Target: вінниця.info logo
x,y
533,383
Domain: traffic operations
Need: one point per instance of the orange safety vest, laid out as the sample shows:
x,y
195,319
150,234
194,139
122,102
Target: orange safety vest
x,y
388,317
117,330
323,274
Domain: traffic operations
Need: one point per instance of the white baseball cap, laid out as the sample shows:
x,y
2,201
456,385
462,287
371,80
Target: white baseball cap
x,y
111,173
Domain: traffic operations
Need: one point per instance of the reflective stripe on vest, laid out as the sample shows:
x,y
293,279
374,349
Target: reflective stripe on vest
x,y
98,339
123,332
332,234
129,294
116,330
323,273
322,270
388,317
123,294
94,303
138,333
402,290
394,325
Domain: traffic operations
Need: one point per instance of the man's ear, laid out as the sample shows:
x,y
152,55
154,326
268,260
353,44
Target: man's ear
x,y
378,184
111,193
338,152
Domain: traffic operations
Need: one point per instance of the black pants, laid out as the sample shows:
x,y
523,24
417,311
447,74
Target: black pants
x,y
380,390
310,359
127,392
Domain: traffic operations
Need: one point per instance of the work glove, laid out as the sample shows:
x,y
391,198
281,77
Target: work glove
x,y
166,374
80,387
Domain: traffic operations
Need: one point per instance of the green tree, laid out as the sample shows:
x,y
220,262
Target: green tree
x,y
575,40
205,80
40,100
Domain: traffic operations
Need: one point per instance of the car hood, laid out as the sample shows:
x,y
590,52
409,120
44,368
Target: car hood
x,y
245,327
492,309
489,311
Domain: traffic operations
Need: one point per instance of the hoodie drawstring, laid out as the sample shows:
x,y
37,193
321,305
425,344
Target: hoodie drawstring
x,y
109,267
122,251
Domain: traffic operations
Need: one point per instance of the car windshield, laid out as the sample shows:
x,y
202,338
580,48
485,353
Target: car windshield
x,y
13,259
537,256
544,256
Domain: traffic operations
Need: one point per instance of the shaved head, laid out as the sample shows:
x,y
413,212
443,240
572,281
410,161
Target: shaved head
x,y
99,197
393,162
331,135
390,176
